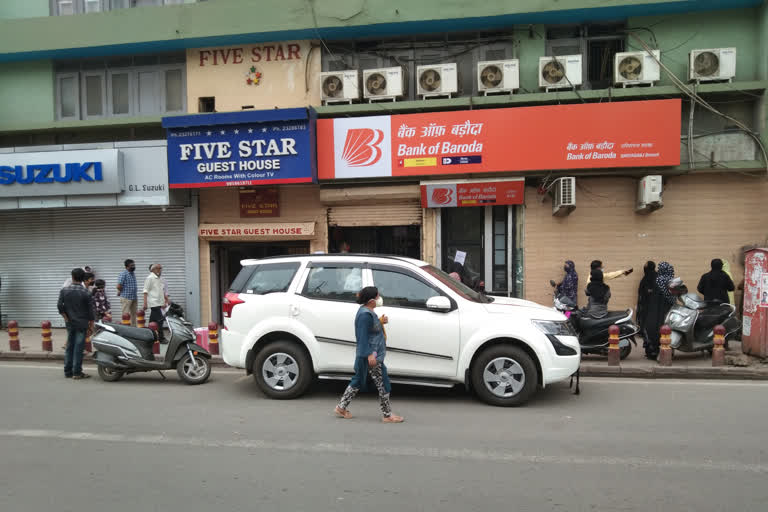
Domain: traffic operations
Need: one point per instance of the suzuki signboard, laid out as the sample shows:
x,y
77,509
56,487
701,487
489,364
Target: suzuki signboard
x,y
61,173
583,136
241,149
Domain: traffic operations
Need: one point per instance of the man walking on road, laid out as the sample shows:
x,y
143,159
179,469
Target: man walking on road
x,y
127,290
76,306
155,297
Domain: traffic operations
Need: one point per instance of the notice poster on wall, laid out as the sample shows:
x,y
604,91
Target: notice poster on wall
x,y
764,292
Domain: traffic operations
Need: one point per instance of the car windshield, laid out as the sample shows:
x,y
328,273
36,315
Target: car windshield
x,y
457,286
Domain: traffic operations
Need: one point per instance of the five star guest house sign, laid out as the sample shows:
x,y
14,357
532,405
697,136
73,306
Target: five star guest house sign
x,y
249,148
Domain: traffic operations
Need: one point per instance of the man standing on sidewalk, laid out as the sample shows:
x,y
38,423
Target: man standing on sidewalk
x,y
76,306
155,297
127,290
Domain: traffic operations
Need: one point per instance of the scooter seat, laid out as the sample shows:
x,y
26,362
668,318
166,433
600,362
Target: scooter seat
x,y
587,322
134,333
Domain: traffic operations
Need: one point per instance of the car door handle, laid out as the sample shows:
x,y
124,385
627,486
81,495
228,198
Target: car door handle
x,y
294,310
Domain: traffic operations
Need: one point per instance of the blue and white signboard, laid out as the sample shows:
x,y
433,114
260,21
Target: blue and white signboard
x,y
61,173
241,149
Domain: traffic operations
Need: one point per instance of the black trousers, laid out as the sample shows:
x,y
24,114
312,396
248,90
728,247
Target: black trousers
x,y
156,315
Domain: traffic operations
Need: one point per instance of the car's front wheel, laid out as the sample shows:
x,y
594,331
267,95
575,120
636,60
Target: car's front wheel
x,y
504,375
283,370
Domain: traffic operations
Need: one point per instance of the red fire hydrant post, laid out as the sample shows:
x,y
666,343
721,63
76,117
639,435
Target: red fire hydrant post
x,y
213,338
613,346
156,344
47,342
140,318
718,351
126,320
665,352
13,336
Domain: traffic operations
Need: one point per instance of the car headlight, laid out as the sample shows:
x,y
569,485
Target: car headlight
x,y
555,328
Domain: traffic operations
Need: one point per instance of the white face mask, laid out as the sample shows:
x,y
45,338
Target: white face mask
x,y
379,301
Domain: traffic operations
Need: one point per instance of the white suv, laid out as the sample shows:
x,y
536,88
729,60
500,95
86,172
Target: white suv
x,y
289,319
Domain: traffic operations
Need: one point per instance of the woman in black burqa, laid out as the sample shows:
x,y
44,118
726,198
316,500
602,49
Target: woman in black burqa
x,y
653,303
648,300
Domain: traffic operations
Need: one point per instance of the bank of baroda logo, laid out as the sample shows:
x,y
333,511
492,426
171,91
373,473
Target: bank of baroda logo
x,y
362,147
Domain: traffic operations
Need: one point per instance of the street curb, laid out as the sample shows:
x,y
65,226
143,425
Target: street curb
x,y
40,356
590,370
675,372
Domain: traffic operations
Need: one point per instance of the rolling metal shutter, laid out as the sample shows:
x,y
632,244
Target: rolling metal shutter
x,y
381,214
39,249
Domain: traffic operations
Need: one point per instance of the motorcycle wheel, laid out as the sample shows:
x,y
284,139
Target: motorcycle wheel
x,y
191,375
625,351
110,374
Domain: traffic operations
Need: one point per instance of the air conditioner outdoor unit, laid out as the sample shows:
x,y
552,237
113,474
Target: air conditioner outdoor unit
x,y
649,194
714,64
561,72
498,76
564,201
339,86
383,83
437,80
636,68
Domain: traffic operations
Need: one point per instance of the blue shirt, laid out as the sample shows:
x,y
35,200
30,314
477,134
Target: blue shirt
x,y
369,334
128,281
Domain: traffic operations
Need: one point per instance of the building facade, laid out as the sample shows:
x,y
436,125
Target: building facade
x,y
503,136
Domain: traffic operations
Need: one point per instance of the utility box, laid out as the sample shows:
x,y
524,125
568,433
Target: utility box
x,y
754,339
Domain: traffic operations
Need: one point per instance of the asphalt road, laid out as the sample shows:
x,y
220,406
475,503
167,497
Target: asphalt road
x,y
147,445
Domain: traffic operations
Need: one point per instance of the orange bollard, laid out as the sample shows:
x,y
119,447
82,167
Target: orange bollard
x,y
613,346
13,335
718,351
88,342
47,342
213,338
665,352
126,319
156,344
140,318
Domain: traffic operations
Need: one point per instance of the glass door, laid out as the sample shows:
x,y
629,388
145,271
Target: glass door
x,y
462,235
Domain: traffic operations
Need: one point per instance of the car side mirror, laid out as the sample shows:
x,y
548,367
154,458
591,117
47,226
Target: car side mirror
x,y
439,304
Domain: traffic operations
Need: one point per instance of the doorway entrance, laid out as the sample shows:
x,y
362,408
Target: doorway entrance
x,y
225,263
481,244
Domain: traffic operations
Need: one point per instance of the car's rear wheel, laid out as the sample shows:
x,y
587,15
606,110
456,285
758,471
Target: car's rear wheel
x,y
283,370
504,375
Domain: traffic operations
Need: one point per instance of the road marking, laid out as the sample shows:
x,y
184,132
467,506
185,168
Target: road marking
x,y
430,453
676,382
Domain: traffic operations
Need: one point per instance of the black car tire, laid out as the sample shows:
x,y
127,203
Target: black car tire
x,y
273,355
510,353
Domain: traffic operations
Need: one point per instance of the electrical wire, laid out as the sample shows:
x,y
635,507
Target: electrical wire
x,y
695,97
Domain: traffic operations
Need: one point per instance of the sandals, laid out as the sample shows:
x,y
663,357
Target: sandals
x,y
392,419
342,413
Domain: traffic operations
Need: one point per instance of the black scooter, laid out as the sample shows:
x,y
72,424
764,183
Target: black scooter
x,y
120,350
593,332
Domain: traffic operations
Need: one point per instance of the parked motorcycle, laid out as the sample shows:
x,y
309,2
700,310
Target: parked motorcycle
x,y
120,350
593,332
693,320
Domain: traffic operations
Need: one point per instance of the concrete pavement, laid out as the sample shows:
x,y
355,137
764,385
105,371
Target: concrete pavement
x,y
145,444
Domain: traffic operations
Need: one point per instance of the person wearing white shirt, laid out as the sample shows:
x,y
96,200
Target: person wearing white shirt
x,y
155,297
